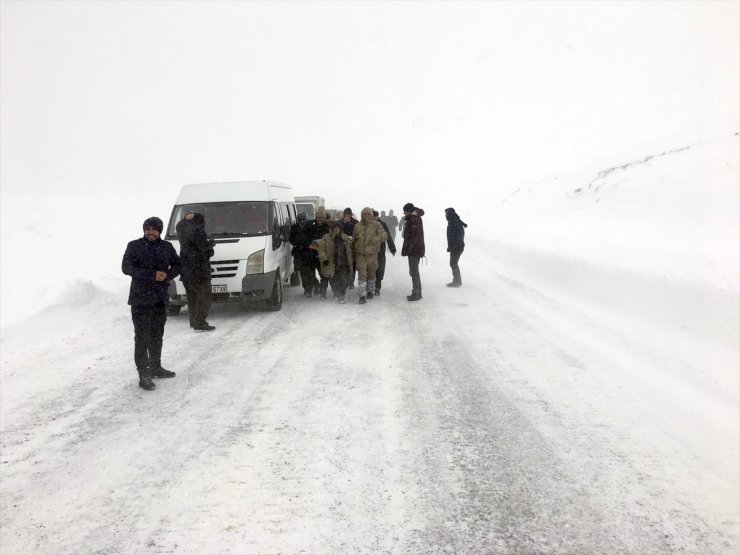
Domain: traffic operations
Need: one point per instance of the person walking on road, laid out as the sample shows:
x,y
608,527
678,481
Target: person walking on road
x,y
196,250
413,246
366,241
455,244
391,221
348,228
299,238
348,222
380,273
315,230
335,254
152,263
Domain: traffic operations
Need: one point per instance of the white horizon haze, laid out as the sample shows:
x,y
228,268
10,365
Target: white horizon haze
x,y
108,108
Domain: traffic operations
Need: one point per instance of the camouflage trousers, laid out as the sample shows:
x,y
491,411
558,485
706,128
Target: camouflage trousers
x,y
366,268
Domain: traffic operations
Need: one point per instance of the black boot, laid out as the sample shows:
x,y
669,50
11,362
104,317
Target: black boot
x,y
145,380
415,295
162,373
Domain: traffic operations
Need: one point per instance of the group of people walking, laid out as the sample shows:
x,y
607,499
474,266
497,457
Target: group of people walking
x,y
337,251
340,250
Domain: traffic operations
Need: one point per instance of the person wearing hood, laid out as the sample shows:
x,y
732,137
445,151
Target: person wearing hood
x,y
455,244
367,237
413,246
152,263
196,250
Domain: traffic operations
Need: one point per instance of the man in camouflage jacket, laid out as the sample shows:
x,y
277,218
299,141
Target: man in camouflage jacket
x,y
367,238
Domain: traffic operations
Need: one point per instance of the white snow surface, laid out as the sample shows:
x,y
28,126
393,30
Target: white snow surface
x,y
579,394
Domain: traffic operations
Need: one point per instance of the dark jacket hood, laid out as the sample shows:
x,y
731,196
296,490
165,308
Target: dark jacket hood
x,y
451,215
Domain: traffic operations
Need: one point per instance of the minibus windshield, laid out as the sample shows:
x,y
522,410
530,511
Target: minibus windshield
x,y
226,219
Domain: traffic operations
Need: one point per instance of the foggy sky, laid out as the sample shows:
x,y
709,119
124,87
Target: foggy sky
x,y
355,100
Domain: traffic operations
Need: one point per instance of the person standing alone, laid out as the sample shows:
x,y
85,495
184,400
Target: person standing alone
x,y
455,243
196,250
152,263
413,246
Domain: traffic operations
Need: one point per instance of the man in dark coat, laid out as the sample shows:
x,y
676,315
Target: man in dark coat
x,y
196,250
380,273
455,243
413,246
348,222
348,228
152,263
300,248
315,230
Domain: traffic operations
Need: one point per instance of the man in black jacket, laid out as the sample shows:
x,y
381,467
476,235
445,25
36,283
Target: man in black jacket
x,y
413,246
348,228
196,250
380,272
152,263
315,230
455,244
302,259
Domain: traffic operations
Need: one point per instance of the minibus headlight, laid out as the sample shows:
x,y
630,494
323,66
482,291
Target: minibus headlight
x,y
256,263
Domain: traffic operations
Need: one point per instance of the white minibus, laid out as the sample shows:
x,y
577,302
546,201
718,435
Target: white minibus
x,y
250,223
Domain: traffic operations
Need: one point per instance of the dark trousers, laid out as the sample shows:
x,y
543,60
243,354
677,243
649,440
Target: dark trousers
x,y
380,273
414,273
308,274
340,281
454,258
149,323
323,286
199,301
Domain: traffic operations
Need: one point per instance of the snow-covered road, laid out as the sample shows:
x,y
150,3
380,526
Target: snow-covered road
x,y
499,417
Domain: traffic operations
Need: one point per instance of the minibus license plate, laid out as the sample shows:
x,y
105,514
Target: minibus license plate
x,y
218,288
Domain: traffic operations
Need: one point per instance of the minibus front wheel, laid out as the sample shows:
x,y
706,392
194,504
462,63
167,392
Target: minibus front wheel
x,y
275,302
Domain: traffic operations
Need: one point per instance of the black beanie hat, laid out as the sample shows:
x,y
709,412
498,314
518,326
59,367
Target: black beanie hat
x,y
154,222
348,211
409,207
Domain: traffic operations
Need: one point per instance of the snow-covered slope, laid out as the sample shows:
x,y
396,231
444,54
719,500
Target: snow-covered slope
x,y
672,215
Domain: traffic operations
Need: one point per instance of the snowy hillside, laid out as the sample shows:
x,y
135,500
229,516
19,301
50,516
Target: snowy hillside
x,y
580,393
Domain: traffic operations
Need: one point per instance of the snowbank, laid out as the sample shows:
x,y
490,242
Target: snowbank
x,y
670,215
